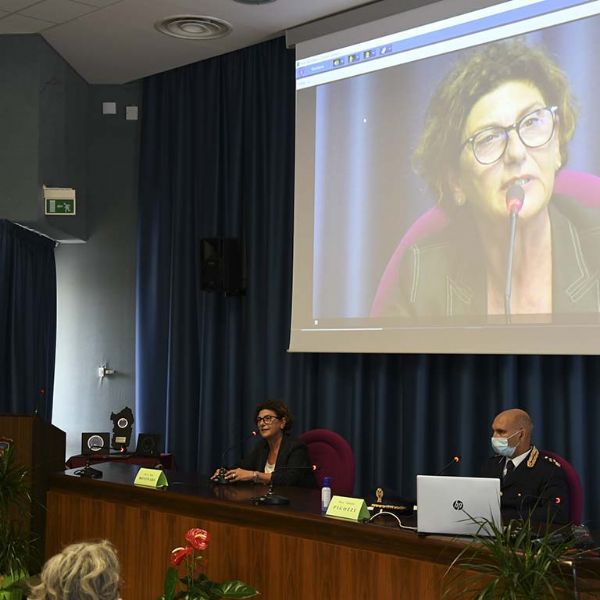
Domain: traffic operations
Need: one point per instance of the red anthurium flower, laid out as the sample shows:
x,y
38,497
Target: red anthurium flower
x,y
178,554
187,577
198,538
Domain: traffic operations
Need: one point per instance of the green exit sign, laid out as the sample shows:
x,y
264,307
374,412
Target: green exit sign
x,y
60,207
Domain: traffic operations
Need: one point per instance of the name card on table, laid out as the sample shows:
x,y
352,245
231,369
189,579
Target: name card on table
x,y
152,478
352,509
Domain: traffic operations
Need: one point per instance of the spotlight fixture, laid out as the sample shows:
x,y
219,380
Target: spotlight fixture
x,y
194,27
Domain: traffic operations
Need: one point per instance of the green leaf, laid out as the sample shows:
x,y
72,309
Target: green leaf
x,y
516,562
14,483
237,589
197,595
15,541
171,579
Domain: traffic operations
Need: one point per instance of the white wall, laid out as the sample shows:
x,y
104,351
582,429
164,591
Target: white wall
x,y
96,280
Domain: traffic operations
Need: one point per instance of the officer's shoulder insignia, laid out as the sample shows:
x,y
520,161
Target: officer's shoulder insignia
x,y
533,456
553,461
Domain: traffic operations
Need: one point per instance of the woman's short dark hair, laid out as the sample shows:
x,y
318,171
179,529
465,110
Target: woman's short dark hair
x,y
479,73
279,407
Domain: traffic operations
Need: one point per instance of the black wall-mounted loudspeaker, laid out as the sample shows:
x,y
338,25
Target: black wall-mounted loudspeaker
x,y
95,443
221,265
148,444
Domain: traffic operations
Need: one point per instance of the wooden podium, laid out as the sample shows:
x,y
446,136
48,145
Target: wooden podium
x,y
40,448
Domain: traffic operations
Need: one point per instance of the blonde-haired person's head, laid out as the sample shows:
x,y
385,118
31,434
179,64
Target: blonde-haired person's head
x,y
85,571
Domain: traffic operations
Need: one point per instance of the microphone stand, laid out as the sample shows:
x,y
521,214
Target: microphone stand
x,y
514,202
221,476
455,460
220,479
271,499
89,471
509,264
40,402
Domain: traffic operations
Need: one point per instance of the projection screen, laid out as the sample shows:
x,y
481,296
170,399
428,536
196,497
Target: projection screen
x,y
413,135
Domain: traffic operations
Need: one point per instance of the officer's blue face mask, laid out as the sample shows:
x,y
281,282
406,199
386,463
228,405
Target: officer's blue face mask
x,y
501,447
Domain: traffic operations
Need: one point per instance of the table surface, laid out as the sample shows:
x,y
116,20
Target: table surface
x,y
167,460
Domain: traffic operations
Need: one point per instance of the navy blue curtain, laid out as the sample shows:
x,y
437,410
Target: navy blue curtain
x,y
217,161
27,321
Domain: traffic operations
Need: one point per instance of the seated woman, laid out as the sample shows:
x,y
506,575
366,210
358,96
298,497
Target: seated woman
x,y
278,458
85,571
495,137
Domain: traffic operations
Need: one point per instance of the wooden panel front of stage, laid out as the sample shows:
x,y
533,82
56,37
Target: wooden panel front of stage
x,y
288,553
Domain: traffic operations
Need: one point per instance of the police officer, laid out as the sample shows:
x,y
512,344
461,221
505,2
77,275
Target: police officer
x,y
532,484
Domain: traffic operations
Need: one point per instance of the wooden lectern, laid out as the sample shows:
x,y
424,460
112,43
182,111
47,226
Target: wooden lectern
x,y
40,448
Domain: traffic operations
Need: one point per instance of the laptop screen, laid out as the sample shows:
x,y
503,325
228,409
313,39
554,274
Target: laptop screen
x,y
456,505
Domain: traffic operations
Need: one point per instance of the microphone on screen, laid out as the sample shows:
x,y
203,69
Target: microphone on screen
x,y
514,199
514,203
222,469
454,461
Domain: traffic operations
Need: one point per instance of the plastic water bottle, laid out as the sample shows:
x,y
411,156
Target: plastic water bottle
x,y
325,494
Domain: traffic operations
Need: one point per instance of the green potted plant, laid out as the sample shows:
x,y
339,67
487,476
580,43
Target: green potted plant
x,y
15,544
186,579
521,561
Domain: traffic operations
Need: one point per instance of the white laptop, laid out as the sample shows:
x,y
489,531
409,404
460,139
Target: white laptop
x,y
445,504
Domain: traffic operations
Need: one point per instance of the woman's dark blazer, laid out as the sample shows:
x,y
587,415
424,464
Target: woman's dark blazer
x,y
293,463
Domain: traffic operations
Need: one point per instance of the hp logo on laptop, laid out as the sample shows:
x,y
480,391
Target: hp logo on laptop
x,y
457,505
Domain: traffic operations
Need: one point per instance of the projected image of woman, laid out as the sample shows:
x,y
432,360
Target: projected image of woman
x,y
496,136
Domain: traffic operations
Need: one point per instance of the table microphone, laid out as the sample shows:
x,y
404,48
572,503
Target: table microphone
x,y
455,460
514,202
527,499
271,499
40,401
89,471
222,469
530,502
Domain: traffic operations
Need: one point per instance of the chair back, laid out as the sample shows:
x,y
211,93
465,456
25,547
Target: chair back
x,y
333,457
574,484
583,187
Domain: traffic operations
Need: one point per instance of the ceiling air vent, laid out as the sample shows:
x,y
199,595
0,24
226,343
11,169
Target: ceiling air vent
x,y
194,27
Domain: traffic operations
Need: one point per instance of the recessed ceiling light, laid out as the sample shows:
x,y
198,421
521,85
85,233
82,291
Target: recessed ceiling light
x,y
254,1
194,27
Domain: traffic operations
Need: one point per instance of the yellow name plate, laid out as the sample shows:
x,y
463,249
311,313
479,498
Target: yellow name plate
x,y
153,478
352,509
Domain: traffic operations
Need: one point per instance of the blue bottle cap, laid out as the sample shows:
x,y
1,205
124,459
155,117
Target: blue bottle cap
x,y
326,481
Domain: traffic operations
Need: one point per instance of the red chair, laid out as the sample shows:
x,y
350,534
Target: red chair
x,y
577,184
333,457
584,187
575,487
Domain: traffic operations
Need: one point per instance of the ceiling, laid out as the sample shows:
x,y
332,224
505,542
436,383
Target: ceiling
x,y
115,41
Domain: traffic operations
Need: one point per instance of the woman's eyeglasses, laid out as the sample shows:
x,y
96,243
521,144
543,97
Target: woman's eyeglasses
x,y
267,419
534,130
